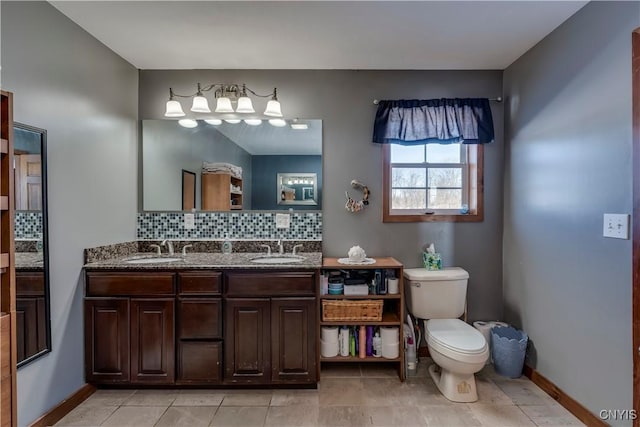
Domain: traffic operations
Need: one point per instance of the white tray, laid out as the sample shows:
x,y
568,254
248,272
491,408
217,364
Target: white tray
x,y
348,261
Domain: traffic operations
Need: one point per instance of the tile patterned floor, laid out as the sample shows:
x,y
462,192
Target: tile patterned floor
x,y
348,395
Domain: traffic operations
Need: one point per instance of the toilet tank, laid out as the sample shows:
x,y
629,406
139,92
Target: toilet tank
x,y
439,294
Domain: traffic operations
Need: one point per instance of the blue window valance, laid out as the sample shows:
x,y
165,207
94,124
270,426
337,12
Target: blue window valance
x,y
442,121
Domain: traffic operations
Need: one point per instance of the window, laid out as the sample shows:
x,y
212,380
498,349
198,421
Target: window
x,y
432,182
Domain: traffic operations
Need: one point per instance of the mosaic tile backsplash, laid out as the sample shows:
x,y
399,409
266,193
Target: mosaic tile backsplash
x,y
28,225
234,225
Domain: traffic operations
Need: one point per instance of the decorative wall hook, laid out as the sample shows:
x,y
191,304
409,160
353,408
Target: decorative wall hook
x,y
353,205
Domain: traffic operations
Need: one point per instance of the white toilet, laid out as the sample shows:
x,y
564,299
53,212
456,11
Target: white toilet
x,y
457,348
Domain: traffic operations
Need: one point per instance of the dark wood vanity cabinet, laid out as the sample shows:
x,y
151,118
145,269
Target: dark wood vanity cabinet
x,y
271,339
130,328
201,327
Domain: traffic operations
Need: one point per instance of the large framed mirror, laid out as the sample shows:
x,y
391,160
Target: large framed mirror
x,y
236,164
33,320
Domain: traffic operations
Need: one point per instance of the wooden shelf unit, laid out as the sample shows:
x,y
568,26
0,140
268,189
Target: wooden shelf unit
x,y
8,348
392,315
217,194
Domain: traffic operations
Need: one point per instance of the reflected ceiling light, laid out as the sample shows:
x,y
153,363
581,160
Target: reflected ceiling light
x,y
253,122
233,121
277,122
226,95
214,122
299,126
187,123
174,109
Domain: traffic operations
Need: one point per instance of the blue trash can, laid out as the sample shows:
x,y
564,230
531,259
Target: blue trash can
x,y
508,348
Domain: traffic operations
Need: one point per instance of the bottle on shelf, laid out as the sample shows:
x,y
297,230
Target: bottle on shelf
x,y
344,341
377,345
362,340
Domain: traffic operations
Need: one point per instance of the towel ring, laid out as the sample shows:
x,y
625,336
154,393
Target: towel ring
x,y
353,205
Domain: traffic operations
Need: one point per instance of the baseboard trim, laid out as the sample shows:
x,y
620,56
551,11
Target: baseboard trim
x,y
64,407
572,405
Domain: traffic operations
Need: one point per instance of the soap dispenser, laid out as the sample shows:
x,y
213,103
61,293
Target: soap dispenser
x,y
226,246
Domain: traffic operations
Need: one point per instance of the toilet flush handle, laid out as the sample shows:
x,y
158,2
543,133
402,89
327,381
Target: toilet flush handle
x,y
416,284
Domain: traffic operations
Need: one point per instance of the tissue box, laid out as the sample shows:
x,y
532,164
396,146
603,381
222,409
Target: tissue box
x,y
432,261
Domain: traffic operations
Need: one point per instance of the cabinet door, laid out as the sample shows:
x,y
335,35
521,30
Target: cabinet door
x,y
199,362
106,340
293,340
200,318
152,341
246,341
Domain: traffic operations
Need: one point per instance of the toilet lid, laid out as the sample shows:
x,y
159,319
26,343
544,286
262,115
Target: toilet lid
x,y
455,335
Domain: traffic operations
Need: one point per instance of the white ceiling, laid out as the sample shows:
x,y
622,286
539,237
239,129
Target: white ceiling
x,y
417,35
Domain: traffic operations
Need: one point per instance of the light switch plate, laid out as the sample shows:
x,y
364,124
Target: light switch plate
x,y
616,226
283,220
189,221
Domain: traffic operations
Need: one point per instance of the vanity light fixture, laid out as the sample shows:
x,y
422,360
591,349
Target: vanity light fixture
x,y
214,122
253,122
225,95
232,121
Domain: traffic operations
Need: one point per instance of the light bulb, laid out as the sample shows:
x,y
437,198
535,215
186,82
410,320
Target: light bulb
x,y
245,105
277,122
233,121
174,109
214,122
273,109
200,105
253,122
224,105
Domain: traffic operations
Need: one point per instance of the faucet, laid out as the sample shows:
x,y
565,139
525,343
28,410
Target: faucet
x,y
268,249
280,247
169,245
295,248
184,249
157,248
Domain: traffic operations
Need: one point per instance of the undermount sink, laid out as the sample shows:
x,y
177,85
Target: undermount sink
x,y
278,259
151,260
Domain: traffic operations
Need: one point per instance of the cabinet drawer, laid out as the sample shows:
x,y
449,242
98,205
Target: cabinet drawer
x,y
134,284
200,318
200,283
199,362
271,283
29,283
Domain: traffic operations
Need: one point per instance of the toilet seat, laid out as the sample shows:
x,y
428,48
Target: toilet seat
x,y
457,340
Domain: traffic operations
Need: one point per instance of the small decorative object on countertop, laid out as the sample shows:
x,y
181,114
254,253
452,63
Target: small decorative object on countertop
x,y
431,259
357,256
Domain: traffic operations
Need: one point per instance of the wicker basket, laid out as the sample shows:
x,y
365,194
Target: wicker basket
x,y
366,310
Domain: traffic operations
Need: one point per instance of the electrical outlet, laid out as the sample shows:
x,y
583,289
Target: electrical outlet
x,y
189,221
616,226
283,220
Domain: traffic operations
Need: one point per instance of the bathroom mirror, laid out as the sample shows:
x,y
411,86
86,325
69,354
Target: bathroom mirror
x,y
262,151
297,189
31,243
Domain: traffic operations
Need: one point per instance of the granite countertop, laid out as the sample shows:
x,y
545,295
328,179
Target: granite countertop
x,y
202,260
29,261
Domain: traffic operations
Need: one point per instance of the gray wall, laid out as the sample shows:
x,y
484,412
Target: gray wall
x,y
167,148
568,161
264,177
344,101
86,97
